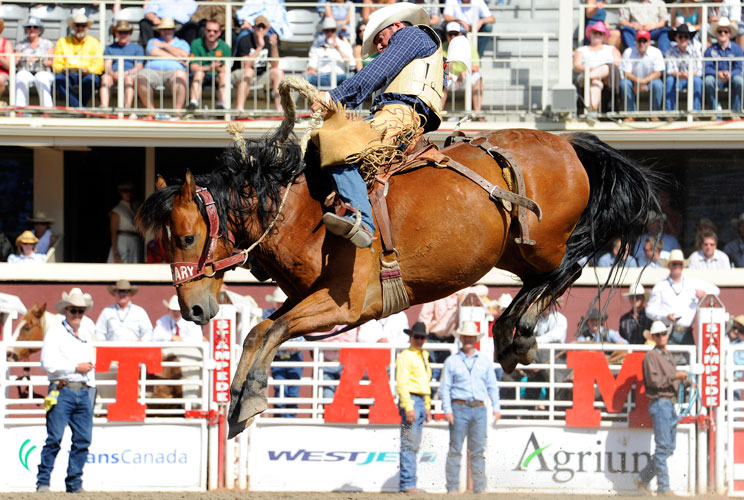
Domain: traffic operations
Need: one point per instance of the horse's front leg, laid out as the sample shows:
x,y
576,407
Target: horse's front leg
x,y
316,313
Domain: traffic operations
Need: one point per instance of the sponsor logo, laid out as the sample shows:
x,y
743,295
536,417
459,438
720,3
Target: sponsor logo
x,y
357,457
565,464
23,453
129,457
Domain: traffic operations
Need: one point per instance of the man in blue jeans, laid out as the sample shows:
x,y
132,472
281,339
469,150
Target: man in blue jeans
x,y
68,358
723,66
662,379
467,379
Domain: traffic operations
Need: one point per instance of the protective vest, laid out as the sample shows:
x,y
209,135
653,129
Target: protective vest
x,y
423,77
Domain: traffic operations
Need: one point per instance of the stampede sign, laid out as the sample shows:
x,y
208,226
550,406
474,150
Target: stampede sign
x,y
221,352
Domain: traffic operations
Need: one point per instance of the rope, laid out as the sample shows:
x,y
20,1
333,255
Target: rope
x,y
685,411
306,90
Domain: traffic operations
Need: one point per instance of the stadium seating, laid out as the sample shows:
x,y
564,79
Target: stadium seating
x,y
14,17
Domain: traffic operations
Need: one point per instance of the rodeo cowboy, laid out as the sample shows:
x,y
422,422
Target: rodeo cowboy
x,y
410,69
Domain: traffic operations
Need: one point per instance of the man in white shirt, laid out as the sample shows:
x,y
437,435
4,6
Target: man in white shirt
x,y
674,300
332,55
469,13
174,327
708,256
124,321
642,66
68,357
551,327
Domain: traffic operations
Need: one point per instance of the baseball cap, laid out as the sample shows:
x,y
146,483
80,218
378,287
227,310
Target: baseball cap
x,y
643,34
453,26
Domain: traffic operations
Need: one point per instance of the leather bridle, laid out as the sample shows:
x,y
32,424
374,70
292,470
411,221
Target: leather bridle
x,y
183,272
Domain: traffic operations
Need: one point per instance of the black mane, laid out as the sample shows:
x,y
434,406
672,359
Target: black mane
x,y
240,186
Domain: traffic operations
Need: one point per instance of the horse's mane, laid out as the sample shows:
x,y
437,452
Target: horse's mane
x,y
241,184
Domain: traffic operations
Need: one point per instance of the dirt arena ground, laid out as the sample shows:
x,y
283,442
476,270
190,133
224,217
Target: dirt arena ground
x,y
244,495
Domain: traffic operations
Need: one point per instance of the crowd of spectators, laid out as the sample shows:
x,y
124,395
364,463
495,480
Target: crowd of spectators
x,y
650,48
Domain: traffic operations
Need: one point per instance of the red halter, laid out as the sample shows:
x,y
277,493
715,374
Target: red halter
x,y
186,271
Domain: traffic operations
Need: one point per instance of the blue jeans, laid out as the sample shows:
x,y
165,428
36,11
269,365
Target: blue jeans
x,y
710,91
664,416
671,92
68,86
627,90
73,408
331,374
410,441
470,422
353,190
659,35
325,79
287,373
484,38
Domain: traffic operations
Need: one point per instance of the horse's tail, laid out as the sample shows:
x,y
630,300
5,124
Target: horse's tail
x,y
622,200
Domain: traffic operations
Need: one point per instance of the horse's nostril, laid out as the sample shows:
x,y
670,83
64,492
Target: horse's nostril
x,y
196,311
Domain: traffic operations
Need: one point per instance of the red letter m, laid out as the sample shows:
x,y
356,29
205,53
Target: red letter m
x,y
591,366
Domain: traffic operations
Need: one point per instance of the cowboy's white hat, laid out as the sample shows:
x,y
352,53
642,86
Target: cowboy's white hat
x,y
636,289
278,296
382,18
656,327
725,23
676,255
79,17
172,304
469,328
75,298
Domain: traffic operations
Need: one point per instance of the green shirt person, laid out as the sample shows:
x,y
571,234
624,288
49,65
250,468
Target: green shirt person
x,y
207,71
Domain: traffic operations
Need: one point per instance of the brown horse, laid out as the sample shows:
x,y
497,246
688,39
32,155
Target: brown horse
x,y
32,327
448,234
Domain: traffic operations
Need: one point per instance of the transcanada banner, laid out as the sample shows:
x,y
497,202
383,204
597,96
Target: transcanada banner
x,y
121,457
527,457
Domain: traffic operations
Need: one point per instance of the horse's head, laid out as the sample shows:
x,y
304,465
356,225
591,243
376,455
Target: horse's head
x,y
30,328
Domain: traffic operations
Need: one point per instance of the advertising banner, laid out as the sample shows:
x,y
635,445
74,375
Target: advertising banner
x,y
528,458
121,458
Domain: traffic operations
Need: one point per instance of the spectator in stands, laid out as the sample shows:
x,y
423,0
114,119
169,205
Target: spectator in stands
x,y
42,230
124,321
602,60
205,72
461,12
32,67
551,326
173,327
435,16
413,382
277,299
25,244
646,15
6,248
661,380
210,10
6,48
608,259
708,256
679,67
730,9
642,66
255,49
123,46
467,380
333,55
340,12
633,322
456,76
687,15
595,11
674,300
653,229
178,11
168,70
593,328
724,74
704,225
126,245
272,10
68,358
735,249
76,75
367,10
358,62
653,253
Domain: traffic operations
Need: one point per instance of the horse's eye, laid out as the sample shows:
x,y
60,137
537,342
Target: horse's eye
x,y
188,240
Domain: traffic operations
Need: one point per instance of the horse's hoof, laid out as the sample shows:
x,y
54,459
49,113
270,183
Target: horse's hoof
x,y
236,428
251,405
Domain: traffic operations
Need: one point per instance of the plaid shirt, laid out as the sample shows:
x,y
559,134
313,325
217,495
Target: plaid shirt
x,y
676,60
404,46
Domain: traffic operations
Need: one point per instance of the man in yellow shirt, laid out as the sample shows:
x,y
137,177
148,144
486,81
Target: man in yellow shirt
x,y
413,377
78,63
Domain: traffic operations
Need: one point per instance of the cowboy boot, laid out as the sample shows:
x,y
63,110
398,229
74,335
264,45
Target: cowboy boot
x,y
355,231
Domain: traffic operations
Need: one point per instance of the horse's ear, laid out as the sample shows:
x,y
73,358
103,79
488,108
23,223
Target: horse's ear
x,y
160,183
188,191
41,310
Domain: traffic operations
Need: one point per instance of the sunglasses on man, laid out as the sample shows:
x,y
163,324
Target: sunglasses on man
x,y
661,334
75,310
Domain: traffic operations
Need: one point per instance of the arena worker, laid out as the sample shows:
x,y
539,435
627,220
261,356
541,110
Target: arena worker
x,y
124,321
409,71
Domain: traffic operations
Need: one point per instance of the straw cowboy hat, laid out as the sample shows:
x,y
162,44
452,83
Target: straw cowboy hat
x,y
739,320
166,23
75,298
122,27
277,297
172,304
328,24
26,237
676,255
599,27
40,217
656,327
123,285
725,23
468,328
635,291
79,17
418,328
382,18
